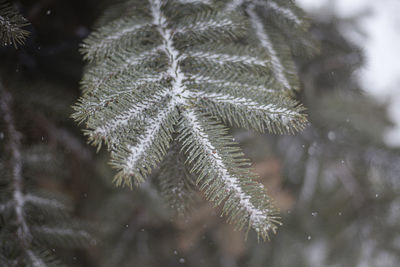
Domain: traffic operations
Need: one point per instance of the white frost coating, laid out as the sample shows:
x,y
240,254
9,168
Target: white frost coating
x,y
207,80
226,58
147,139
132,113
98,80
35,260
127,89
266,43
134,60
233,5
286,12
131,61
174,70
282,10
248,104
137,82
178,94
117,34
203,26
207,2
257,217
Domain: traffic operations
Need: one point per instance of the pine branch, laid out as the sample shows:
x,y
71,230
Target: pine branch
x,y
154,75
279,27
249,113
265,41
30,214
11,24
176,182
223,176
14,145
283,11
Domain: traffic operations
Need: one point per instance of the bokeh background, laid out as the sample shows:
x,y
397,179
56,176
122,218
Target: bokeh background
x,y
376,30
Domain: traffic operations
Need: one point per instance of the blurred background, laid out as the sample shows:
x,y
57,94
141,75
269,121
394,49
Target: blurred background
x,y
337,183
376,30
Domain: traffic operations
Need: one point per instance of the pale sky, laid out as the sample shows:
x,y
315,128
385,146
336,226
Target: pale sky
x,y
381,74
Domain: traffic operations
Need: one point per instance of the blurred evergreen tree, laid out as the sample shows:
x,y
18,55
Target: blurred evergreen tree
x,y
345,179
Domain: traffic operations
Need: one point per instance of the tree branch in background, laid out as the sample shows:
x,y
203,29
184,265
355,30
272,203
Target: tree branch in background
x,y
11,24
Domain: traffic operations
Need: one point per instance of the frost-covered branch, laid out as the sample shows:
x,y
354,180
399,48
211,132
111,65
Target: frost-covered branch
x,y
229,183
265,41
144,81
